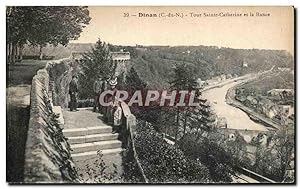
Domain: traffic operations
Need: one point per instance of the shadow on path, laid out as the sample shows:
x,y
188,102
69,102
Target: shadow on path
x,y
17,124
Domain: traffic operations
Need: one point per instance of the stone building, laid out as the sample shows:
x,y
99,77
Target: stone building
x,y
120,60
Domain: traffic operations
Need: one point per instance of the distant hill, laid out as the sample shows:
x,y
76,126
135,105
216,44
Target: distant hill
x,y
154,63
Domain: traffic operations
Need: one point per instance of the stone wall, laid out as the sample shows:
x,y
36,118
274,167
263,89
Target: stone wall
x,y
61,72
47,156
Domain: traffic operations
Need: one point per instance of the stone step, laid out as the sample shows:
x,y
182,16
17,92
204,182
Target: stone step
x,y
92,138
93,154
87,131
94,146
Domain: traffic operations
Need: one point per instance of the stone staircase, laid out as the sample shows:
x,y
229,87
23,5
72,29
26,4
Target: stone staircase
x,y
85,142
87,134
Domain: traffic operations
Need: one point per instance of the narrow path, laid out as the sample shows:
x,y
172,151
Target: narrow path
x,y
87,135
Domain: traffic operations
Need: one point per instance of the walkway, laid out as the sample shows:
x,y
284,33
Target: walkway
x,y
17,108
88,134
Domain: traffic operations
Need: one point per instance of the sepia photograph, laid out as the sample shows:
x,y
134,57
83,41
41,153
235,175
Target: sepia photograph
x,y
150,95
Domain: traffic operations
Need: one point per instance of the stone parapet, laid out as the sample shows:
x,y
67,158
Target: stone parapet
x,y
47,156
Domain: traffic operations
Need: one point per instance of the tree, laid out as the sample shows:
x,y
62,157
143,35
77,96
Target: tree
x,y
133,81
202,119
162,162
42,25
237,148
183,80
96,63
210,152
274,160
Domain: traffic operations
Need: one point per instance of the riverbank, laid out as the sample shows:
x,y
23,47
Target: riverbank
x,y
235,118
226,82
230,99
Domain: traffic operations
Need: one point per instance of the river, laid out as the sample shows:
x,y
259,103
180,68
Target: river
x,y
236,118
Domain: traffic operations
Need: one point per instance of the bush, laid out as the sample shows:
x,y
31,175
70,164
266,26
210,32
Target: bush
x,y
211,154
219,154
163,162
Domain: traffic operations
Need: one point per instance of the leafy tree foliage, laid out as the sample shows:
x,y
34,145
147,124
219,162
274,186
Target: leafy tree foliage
x,y
133,81
183,80
274,160
163,162
96,63
154,64
41,25
198,120
213,152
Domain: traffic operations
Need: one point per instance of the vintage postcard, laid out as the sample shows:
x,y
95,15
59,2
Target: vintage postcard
x,y
150,94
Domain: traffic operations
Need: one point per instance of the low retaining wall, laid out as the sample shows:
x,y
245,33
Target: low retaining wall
x,y
47,156
129,121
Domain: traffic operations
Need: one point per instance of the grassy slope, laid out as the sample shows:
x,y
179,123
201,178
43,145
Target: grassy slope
x,y
278,80
155,65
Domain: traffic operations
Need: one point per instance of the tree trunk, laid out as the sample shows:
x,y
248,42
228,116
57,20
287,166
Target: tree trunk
x,y
41,53
10,53
17,53
7,53
21,52
177,126
185,121
13,54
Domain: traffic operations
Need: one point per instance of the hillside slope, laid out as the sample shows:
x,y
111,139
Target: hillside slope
x,y
154,63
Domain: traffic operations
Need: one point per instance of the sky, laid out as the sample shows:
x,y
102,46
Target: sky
x,y
261,32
